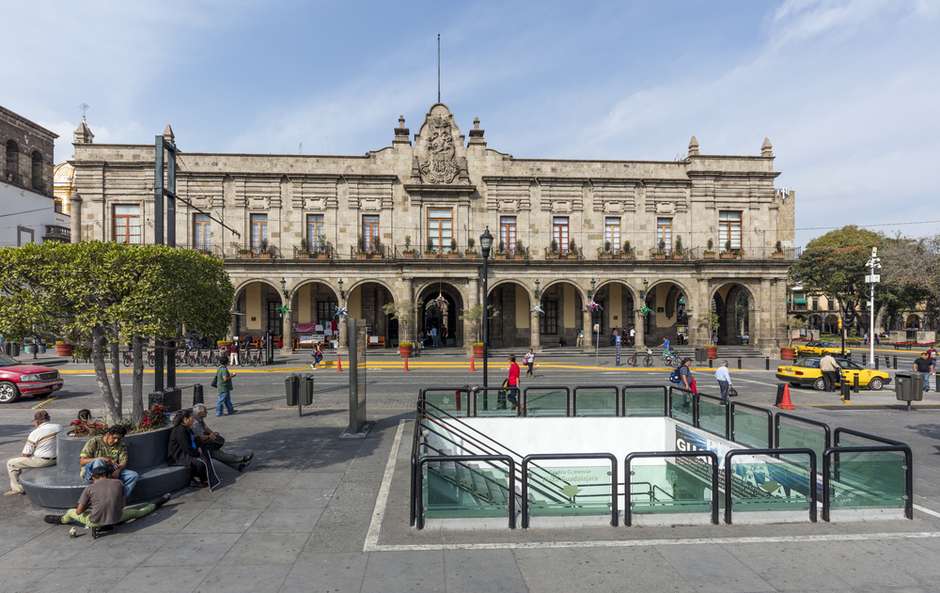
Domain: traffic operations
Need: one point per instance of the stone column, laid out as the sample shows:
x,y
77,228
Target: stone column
x,y
287,333
406,331
640,324
588,330
75,218
473,291
341,344
534,328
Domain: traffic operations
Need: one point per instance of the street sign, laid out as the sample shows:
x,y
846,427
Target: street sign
x,y
872,278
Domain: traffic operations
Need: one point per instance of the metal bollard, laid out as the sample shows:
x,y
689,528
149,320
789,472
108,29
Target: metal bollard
x,y
198,395
895,357
864,360
767,363
709,363
846,391
877,363
739,362
855,386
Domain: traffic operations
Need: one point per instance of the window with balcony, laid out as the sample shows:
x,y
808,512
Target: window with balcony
x,y
560,233
202,232
440,229
729,229
258,234
370,233
664,233
612,233
507,234
127,225
316,233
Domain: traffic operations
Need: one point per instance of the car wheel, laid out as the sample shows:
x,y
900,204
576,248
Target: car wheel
x,y
819,384
876,384
8,393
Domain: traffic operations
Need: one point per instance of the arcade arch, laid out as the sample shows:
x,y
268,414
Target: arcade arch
x,y
313,314
734,306
513,328
257,310
666,317
367,301
617,307
561,318
440,307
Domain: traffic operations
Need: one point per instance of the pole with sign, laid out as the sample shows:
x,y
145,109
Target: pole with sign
x,y
874,263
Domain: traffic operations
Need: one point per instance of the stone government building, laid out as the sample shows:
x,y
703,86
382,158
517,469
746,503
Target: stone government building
x,y
684,249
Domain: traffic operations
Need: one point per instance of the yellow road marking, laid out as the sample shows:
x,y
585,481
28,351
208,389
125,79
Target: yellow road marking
x,y
43,403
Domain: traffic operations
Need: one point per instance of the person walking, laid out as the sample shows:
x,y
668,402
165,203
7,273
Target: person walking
x,y
233,352
632,336
529,360
687,381
317,354
512,382
223,381
723,376
830,370
925,366
39,451
618,345
435,340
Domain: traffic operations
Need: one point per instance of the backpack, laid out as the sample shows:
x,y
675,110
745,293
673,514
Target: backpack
x,y
674,376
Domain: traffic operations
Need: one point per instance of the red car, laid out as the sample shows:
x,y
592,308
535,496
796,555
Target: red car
x,y
18,379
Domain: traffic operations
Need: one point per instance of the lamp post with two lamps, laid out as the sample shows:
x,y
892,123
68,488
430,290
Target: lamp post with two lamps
x,y
486,243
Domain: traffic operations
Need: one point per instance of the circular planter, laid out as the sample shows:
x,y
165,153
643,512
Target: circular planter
x,y
711,352
405,351
63,349
787,353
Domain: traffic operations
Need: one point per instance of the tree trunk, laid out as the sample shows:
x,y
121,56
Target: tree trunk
x,y
116,387
98,342
137,390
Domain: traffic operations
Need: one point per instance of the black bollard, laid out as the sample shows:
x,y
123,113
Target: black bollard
x,y
739,362
767,363
198,395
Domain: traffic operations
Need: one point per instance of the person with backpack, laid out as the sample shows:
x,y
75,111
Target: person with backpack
x,y
223,382
682,377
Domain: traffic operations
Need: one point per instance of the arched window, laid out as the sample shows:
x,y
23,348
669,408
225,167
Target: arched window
x,y
37,171
11,171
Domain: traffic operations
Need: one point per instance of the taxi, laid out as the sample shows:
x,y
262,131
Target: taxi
x,y
805,373
820,348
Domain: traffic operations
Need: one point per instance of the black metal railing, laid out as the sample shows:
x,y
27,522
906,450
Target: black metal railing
x,y
419,481
770,421
827,432
614,512
532,392
729,475
627,505
908,473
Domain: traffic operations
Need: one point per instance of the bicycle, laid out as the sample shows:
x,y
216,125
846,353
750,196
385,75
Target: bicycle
x,y
647,358
670,359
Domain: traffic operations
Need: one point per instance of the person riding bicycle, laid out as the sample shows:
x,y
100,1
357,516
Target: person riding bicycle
x,y
667,348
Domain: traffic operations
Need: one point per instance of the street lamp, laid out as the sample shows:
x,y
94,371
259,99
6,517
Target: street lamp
x,y
486,243
874,263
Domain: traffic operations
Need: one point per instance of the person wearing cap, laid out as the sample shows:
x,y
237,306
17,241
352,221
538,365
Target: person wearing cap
x,y
39,451
108,450
101,504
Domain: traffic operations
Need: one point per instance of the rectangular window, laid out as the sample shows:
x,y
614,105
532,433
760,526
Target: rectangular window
x,y
259,230
316,233
370,232
440,229
664,233
202,232
612,233
325,311
128,227
729,229
549,320
507,233
24,235
560,233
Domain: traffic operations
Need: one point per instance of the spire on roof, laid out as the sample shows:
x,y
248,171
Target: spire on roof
x,y
83,134
168,133
693,146
767,149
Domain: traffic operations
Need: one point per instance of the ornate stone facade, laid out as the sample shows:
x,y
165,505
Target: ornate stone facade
x,y
660,245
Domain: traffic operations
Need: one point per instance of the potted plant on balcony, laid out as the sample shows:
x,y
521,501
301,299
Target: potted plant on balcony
x,y
263,251
471,246
453,249
628,250
778,251
709,252
660,252
520,250
714,321
727,253
553,247
303,252
324,250
429,248
572,249
409,250
679,251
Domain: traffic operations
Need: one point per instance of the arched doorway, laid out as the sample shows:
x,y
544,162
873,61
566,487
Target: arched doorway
x,y
815,321
367,301
561,317
511,308
616,313
666,304
732,304
913,322
830,324
440,307
257,311
313,314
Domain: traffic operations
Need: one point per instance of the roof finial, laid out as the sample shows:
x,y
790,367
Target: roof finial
x,y
767,149
438,67
693,146
168,133
84,107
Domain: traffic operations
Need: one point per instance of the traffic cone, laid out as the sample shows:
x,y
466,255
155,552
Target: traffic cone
x,y
406,364
473,366
339,362
785,403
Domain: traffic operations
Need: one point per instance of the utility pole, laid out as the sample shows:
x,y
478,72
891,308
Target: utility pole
x,y
874,263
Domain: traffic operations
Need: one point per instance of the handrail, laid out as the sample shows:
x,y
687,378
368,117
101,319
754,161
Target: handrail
x,y
725,407
787,451
770,421
422,395
863,435
504,458
614,514
692,399
908,474
827,432
574,397
475,392
627,512
472,470
623,397
414,463
525,397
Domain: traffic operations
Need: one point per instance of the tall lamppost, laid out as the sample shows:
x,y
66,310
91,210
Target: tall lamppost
x,y
486,243
874,264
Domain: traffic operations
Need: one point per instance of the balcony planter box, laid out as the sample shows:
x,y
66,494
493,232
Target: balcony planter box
x,y
302,255
659,256
710,254
322,256
63,348
409,253
728,255
244,253
677,256
777,255
263,255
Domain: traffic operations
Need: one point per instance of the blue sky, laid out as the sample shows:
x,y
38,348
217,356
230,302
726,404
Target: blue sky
x,y
847,91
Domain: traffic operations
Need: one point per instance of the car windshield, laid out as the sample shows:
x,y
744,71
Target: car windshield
x,y
812,363
848,364
7,361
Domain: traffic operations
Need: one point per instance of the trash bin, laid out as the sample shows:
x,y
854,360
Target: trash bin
x,y
909,387
307,391
198,394
292,389
701,355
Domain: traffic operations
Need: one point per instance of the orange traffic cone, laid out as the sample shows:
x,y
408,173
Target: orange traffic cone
x,y
406,364
473,366
785,403
339,362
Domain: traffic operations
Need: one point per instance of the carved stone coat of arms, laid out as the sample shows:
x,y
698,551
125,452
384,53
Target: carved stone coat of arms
x,y
439,164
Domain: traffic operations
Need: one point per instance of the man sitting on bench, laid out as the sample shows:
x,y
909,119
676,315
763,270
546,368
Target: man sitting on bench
x,y
101,505
110,451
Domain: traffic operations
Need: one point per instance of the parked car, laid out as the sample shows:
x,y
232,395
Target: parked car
x,y
18,379
805,372
820,348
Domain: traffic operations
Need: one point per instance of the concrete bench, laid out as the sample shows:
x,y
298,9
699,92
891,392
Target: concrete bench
x,y
59,486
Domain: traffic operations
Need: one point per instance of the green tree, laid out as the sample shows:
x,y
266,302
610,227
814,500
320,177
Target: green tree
x,y
105,294
910,275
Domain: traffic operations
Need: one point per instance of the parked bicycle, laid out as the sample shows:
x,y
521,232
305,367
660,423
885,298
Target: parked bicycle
x,y
646,359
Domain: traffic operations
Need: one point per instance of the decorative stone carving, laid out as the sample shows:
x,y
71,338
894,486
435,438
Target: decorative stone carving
x,y
439,164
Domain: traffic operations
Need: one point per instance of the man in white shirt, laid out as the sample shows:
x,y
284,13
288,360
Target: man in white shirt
x,y
39,451
723,376
632,336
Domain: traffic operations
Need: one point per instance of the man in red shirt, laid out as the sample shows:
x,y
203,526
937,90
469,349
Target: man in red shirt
x,y
513,382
